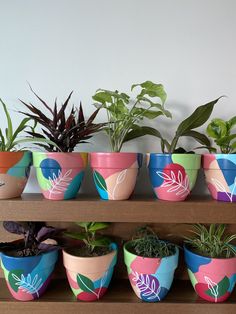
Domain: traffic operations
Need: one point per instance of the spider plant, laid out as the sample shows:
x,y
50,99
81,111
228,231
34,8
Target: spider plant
x,y
65,132
211,241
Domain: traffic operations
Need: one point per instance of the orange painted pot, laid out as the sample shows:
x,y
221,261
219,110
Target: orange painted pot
x,y
89,277
14,173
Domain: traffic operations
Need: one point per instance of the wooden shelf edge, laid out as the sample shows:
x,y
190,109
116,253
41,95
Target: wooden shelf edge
x,y
119,298
33,207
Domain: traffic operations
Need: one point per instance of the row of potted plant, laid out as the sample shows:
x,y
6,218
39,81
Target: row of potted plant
x,y
60,170
151,262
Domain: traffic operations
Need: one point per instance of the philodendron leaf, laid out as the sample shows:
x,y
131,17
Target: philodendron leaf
x,y
85,283
75,235
199,137
102,97
83,224
197,118
152,90
101,242
98,226
139,131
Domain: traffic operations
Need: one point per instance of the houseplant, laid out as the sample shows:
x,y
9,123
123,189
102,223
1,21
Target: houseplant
x,y
115,172
60,170
90,264
174,172
220,169
211,262
28,264
151,264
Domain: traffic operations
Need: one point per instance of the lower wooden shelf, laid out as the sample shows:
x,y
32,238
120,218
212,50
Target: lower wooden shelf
x,y
119,299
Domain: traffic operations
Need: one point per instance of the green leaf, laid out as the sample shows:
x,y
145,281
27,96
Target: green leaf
x,y
75,235
101,242
232,122
197,118
9,123
226,139
85,283
2,141
102,97
13,277
98,226
199,137
217,128
152,90
138,131
99,181
83,224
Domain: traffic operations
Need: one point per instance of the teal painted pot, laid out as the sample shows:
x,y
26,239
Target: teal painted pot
x,y
220,175
115,174
27,278
14,173
173,176
150,278
213,279
59,174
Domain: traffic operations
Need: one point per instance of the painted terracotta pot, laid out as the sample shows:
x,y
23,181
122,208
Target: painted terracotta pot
x,y
220,174
89,277
173,176
59,174
27,278
115,174
150,278
213,279
14,173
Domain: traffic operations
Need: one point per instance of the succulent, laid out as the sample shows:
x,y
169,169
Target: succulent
x,y
65,131
148,244
37,238
211,241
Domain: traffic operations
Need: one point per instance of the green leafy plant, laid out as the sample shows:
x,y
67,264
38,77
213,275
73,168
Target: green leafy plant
x,y
211,241
187,128
65,132
124,116
147,244
221,131
11,141
89,236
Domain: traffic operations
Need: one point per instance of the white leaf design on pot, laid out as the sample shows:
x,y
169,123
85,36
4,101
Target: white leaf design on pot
x,y
120,178
178,184
27,284
58,184
221,188
212,286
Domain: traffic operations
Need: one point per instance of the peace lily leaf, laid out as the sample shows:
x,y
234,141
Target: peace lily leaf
x,y
101,242
141,131
199,137
98,226
85,283
232,122
74,235
83,224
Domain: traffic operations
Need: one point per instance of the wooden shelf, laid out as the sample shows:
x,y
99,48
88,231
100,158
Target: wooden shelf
x,y
33,207
119,299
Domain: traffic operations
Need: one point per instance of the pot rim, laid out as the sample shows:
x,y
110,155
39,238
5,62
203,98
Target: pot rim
x,y
115,153
170,154
59,153
207,257
28,257
217,154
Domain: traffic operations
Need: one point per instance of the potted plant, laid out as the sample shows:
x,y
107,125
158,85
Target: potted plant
x,y
211,262
220,169
174,172
28,264
115,172
89,264
60,170
151,264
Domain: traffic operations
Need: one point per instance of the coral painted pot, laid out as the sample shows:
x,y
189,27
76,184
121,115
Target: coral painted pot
x,y
115,174
220,175
89,277
150,278
27,278
173,176
14,173
213,279
59,174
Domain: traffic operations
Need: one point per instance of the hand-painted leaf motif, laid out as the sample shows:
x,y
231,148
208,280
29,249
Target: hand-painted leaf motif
x,y
13,277
99,181
85,283
58,184
148,286
221,188
223,287
213,288
25,283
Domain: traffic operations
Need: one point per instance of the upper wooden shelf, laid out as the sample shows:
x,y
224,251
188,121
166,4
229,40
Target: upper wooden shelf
x,y
33,207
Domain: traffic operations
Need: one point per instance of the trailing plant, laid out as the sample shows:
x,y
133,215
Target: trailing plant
x,y
211,241
38,238
221,131
146,243
124,115
93,242
65,131
10,140
187,128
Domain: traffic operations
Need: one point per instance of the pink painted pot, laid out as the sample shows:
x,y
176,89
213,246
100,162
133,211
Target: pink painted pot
x,y
115,174
59,174
89,277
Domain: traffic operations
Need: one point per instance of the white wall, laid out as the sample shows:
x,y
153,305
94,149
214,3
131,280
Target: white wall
x,y
81,45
